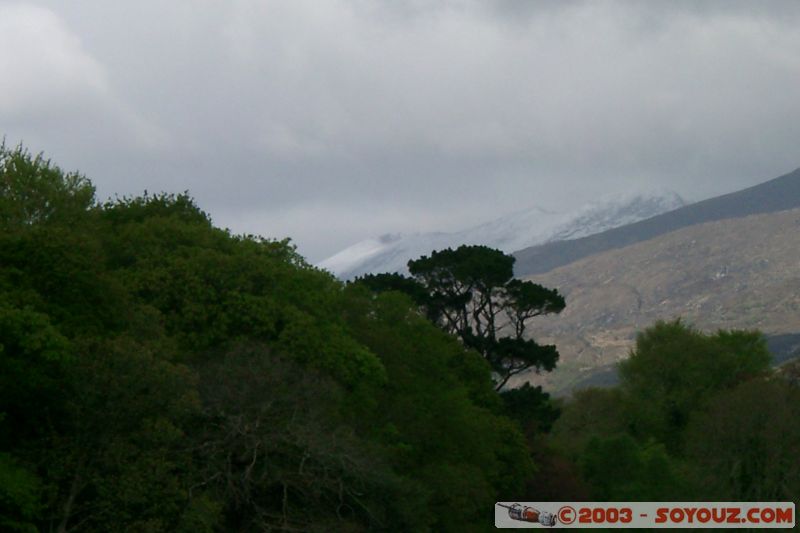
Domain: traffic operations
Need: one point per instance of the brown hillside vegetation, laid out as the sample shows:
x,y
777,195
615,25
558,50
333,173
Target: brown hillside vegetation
x,y
739,273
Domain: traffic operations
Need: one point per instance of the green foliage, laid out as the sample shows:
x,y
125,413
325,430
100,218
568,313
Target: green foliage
x,y
212,288
328,347
452,272
33,355
160,374
620,469
20,496
745,444
469,292
525,300
693,418
180,207
458,453
675,369
275,450
59,271
531,407
33,191
590,413
117,461
395,282
557,477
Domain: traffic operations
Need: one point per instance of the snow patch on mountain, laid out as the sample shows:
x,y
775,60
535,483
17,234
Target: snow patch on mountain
x,y
530,227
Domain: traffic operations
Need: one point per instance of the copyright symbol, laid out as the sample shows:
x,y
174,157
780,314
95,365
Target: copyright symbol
x,y
566,515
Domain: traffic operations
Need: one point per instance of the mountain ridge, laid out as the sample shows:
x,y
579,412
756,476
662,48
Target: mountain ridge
x,y
775,195
391,252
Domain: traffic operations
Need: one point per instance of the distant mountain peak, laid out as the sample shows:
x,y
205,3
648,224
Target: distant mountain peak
x,y
391,251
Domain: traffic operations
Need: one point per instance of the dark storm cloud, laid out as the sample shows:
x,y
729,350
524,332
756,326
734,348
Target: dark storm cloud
x,y
335,121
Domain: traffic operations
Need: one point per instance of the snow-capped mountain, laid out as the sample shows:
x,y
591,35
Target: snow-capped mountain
x,y
391,252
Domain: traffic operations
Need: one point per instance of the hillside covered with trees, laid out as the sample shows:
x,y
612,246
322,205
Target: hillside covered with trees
x,y
160,374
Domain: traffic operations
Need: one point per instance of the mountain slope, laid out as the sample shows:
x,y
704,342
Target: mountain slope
x,y
736,273
785,351
769,197
391,252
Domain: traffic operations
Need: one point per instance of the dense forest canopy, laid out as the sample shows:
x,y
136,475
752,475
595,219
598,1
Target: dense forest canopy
x,y
158,373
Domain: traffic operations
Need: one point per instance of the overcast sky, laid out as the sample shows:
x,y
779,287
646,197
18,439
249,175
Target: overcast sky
x,y
330,121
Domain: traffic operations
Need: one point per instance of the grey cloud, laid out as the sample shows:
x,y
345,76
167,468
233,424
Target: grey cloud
x,y
334,121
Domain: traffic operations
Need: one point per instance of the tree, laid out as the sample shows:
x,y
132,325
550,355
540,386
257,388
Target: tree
x,y
34,191
160,374
119,460
619,468
20,495
531,407
696,416
589,413
674,369
745,444
273,446
440,422
470,292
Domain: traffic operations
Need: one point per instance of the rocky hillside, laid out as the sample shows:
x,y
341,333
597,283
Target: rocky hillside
x,y
772,196
736,273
